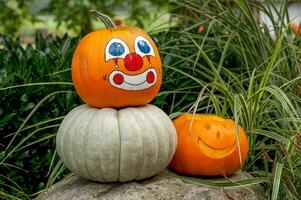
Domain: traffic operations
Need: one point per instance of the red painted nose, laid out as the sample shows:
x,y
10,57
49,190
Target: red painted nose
x,y
133,62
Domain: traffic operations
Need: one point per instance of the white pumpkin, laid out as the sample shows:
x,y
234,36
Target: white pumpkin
x,y
109,145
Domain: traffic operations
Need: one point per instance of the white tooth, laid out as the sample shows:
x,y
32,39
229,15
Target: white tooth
x,y
133,82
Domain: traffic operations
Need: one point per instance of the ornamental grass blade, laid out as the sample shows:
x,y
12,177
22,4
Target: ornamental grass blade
x,y
277,180
226,184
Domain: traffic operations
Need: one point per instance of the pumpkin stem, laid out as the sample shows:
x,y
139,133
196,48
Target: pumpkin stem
x,y
104,18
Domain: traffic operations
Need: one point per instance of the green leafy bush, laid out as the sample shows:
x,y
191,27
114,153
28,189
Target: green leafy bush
x,y
31,111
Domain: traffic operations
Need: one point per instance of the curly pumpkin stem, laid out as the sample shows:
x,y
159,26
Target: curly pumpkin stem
x,y
104,18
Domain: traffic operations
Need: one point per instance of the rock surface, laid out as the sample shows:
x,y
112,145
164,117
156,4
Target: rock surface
x,y
163,187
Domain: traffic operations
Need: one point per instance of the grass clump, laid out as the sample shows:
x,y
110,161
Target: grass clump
x,y
236,68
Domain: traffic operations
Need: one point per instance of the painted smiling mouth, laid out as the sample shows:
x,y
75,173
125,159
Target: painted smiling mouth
x,y
215,152
136,82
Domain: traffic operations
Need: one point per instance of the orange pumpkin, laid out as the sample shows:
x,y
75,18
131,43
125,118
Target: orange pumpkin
x,y
116,67
208,146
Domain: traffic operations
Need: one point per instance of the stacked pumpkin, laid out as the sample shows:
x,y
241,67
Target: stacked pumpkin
x,y
117,135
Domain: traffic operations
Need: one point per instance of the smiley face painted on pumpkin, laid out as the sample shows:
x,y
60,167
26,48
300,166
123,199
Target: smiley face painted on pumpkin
x,y
117,67
208,146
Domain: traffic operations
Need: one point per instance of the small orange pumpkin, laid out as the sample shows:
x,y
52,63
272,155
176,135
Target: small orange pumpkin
x,y
208,146
116,67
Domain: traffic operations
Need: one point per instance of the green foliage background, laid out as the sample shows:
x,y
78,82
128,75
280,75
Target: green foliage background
x,y
235,69
24,66
74,14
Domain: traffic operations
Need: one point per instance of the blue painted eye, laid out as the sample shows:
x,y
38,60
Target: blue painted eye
x,y
116,49
143,46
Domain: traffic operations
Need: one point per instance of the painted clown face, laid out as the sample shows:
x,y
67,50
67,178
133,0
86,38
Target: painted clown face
x,y
116,68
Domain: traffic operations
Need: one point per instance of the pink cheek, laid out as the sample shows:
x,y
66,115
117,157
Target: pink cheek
x,y
118,79
150,77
